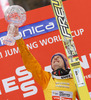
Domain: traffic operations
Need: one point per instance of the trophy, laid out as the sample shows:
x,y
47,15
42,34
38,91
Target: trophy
x,y
15,15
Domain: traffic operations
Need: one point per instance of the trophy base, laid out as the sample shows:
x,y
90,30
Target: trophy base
x,y
8,41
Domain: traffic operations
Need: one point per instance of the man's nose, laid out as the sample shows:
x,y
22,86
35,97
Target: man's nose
x,y
55,58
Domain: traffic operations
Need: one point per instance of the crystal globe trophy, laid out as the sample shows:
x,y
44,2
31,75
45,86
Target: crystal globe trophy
x,y
15,15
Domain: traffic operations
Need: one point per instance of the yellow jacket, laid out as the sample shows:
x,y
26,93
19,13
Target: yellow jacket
x,y
43,78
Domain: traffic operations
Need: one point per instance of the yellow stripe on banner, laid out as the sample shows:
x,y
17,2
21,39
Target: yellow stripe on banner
x,y
70,49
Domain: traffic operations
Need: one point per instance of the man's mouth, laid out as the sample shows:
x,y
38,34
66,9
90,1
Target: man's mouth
x,y
56,61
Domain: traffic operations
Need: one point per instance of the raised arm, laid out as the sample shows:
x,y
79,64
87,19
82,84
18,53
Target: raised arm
x,y
40,76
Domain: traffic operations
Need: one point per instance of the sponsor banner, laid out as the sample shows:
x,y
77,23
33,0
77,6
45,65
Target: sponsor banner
x,y
16,83
34,29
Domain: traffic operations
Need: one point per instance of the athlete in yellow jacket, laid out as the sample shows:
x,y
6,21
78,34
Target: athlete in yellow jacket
x,y
58,85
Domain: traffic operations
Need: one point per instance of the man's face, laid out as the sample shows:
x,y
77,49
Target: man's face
x,y
57,62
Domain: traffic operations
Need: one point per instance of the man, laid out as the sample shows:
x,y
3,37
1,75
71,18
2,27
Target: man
x,y
58,85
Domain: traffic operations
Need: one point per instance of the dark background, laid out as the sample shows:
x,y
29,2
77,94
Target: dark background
x,y
30,4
